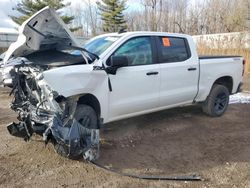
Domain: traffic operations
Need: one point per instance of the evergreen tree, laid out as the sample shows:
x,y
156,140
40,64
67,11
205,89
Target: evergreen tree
x,y
28,7
111,12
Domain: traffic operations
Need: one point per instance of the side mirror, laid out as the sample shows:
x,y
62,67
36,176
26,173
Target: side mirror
x,y
117,62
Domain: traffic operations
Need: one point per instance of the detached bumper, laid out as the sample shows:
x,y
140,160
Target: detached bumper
x,y
19,130
71,140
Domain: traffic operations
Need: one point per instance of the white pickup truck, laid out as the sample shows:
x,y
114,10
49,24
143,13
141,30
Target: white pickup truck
x,y
65,92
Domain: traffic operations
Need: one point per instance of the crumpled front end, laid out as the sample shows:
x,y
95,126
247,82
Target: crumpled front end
x,y
43,111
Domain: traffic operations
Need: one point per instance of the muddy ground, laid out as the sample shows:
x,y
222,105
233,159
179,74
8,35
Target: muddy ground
x,y
177,141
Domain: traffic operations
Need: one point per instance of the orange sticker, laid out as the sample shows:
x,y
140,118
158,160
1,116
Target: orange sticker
x,y
166,42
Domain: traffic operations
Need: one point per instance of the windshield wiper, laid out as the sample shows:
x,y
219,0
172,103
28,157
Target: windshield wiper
x,y
83,49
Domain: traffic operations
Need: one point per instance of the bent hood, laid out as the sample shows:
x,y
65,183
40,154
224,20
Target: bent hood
x,y
42,31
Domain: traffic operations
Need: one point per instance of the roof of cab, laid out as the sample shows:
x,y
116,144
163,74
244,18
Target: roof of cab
x,y
137,33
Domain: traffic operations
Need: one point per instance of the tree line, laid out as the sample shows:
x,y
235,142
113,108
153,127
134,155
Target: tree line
x,y
194,17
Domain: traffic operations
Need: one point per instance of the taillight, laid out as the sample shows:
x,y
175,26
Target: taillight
x,y
244,64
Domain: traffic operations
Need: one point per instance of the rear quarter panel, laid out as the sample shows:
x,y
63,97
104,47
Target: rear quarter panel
x,y
213,69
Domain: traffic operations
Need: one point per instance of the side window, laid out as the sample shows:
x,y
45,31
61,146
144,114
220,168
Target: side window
x,y
172,49
138,51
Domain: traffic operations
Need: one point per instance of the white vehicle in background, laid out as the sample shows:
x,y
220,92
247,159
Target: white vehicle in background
x,y
66,97
5,77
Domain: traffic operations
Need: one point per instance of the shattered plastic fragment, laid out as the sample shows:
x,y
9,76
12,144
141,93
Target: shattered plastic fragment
x,y
75,139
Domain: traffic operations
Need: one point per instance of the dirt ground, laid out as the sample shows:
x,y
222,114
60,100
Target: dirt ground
x,y
173,142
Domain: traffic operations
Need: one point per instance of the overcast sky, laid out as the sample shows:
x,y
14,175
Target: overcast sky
x,y
6,8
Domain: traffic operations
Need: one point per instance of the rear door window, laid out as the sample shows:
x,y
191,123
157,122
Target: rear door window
x,y
172,49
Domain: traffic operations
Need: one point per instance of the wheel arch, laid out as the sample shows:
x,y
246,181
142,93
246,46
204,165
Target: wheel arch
x,y
226,81
91,100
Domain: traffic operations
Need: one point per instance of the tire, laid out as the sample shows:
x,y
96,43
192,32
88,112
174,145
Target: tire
x,y
217,101
87,117
91,122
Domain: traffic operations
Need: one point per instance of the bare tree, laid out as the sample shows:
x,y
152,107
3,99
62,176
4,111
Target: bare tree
x,y
86,16
185,16
152,13
92,15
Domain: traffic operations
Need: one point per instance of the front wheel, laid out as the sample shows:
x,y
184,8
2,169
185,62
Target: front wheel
x,y
88,130
217,101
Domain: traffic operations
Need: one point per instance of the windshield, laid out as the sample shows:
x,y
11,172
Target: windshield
x,y
99,45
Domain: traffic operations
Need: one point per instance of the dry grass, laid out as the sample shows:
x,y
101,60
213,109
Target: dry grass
x,y
242,52
2,50
228,44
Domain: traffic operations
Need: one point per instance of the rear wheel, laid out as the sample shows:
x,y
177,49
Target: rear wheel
x,y
217,101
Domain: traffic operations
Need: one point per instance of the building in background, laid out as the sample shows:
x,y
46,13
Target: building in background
x,y
7,36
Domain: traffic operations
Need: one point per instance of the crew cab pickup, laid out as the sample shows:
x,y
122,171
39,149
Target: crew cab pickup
x,y
66,92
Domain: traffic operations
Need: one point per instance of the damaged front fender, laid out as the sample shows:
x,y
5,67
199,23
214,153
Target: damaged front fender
x,y
40,111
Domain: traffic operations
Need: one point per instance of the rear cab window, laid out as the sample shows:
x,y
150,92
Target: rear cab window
x,y
172,49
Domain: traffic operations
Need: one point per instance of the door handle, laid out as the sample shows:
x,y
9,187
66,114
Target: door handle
x,y
191,69
152,73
